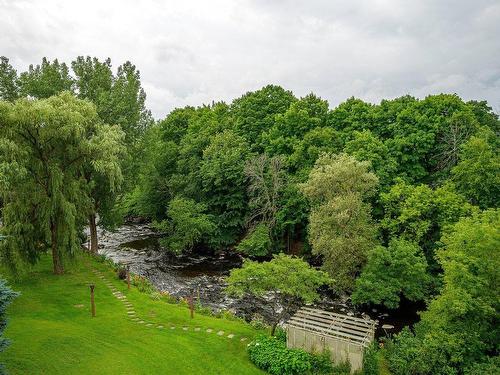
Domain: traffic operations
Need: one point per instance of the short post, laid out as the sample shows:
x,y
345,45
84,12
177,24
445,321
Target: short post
x,y
128,276
191,305
92,302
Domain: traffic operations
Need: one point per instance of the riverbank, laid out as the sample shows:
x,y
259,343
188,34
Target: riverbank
x,y
202,275
52,331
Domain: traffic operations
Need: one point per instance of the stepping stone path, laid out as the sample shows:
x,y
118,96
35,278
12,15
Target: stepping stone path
x,y
129,307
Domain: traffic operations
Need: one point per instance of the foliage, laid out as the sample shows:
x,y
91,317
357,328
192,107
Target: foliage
x,y
257,242
287,280
186,224
370,360
272,355
340,226
143,285
265,184
46,147
460,327
7,295
392,272
489,367
222,175
255,112
9,90
420,213
338,175
45,80
477,175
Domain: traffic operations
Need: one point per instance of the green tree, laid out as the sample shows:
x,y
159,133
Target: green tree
x,y
340,226
9,90
460,327
399,270
255,112
289,128
338,175
223,185
257,242
45,80
365,146
6,297
119,101
420,213
477,175
104,176
287,280
46,146
186,225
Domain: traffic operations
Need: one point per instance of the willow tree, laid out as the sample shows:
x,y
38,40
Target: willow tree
x,y
340,226
47,148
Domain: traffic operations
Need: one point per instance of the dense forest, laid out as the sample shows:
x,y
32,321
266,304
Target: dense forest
x,y
396,201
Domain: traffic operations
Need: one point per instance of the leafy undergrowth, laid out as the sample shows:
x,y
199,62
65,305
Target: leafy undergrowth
x,y
52,332
271,354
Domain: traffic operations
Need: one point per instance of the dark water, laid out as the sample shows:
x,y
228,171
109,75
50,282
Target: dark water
x,y
202,275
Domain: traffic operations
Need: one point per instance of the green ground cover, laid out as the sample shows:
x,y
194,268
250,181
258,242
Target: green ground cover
x,y
52,331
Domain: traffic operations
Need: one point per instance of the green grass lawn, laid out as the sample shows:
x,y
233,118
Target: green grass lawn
x,y
51,333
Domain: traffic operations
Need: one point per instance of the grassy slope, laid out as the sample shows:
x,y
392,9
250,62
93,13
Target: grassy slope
x,y
51,336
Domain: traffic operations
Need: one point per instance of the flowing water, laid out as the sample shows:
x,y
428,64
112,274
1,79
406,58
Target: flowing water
x,y
202,275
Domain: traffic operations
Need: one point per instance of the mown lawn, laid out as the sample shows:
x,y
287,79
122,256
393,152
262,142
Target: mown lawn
x,y
52,333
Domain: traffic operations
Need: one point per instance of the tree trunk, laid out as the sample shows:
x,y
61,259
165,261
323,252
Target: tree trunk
x,y
93,233
56,256
273,328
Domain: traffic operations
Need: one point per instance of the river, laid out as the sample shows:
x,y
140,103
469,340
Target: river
x,y
202,275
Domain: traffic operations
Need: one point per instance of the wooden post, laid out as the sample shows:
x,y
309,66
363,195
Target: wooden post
x,y
92,302
128,276
191,305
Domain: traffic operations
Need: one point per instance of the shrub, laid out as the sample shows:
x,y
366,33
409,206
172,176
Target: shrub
x,y
155,296
142,284
6,297
271,354
257,242
258,322
489,367
370,360
121,273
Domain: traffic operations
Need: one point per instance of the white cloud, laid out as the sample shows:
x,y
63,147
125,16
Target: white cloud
x,y
193,52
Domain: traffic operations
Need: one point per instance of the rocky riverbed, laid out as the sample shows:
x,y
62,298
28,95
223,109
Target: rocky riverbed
x,y
202,275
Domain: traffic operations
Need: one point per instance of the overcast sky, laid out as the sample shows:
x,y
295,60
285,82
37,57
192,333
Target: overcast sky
x,y
193,52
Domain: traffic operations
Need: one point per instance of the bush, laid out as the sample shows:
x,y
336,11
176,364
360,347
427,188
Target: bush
x,y
142,284
258,322
271,354
490,367
121,273
257,242
155,296
370,360
6,297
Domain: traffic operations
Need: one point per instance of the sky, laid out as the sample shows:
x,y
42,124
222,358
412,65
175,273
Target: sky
x,y
194,52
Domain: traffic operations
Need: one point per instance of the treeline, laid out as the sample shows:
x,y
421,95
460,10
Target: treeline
x,y
395,201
